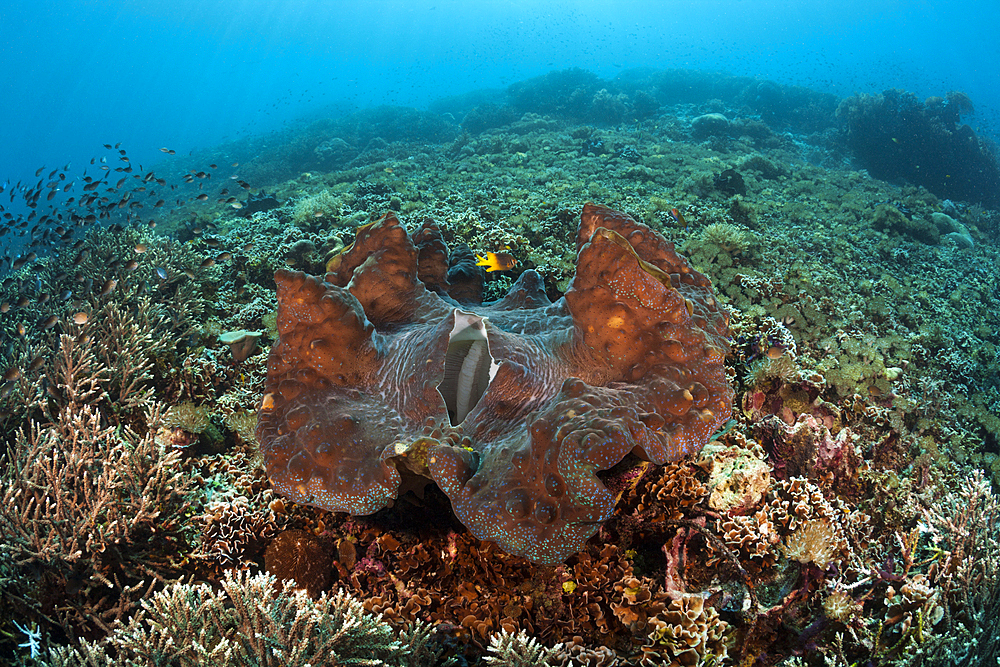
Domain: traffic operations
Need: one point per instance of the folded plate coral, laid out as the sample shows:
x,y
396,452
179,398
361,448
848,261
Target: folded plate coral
x,y
511,407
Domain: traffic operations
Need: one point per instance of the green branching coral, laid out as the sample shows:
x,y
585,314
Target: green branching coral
x,y
322,205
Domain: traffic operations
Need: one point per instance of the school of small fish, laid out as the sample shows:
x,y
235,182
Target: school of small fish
x,y
54,215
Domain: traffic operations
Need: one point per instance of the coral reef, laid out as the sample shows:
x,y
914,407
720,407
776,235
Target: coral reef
x,y
894,135
846,514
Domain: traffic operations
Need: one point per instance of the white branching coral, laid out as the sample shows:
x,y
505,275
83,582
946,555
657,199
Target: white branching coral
x,y
81,496
252,621
516,650
962,530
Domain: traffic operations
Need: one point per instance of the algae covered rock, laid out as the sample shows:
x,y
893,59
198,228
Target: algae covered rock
x,y
710,125
888,218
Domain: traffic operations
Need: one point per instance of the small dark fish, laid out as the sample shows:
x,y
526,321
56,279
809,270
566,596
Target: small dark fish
x,y
66,295
131,265
202,197
208,263
20,329
12,373
81,318
48,322
160,272
43,297
223,257
36,363
213,242
108,287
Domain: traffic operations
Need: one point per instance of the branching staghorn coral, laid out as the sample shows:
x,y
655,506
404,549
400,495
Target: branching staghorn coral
x,y
85,503
964,533
129,339
252,621
516,650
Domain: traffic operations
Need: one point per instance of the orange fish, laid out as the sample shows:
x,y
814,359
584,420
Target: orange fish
x,y
676,215
497,261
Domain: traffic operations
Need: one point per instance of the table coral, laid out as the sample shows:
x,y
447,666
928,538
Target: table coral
x,y
511,407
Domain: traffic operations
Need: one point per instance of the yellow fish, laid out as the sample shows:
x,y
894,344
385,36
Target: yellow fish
x,y
497,261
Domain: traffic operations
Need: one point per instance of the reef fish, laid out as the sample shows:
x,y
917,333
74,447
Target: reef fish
x,y
678,218
496,261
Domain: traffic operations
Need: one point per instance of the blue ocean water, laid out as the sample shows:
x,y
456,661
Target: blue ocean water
x,y
188,74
